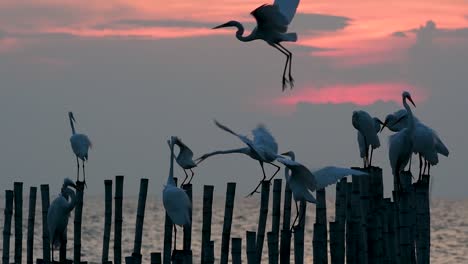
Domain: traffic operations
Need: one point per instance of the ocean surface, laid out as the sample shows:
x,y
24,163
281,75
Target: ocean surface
x,y
449,224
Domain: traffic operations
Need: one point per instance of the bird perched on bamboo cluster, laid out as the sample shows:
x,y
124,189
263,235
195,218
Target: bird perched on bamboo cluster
x,y
185,159
368,128
80,144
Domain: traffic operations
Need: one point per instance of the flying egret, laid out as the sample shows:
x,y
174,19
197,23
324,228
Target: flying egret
x,y
368,129
175,200
401,143
185,159
80,144
427,142
262,148
59,211
302,181
272,26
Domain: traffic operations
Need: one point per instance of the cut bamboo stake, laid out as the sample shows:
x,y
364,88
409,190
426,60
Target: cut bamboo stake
x,y
272,238
77,223
251,247
45,231
168,236
209,253
140,217
187,242
404,215
31,220
340,220
276,212
236,250
228,211
63,248
156,258
118,220
285,247
299,235
207,216
424,220
18,189
107,220
320,234
262,219
9,194
333,242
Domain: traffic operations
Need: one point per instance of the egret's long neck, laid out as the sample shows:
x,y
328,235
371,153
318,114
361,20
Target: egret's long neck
x,y
72,126
286,170
72,196
170,178
410,125
240,33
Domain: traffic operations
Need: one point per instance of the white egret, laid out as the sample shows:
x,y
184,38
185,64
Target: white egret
x,y
185,159
175,200
367,135
401,143
80,144
59,211
272,26
302,181
262,148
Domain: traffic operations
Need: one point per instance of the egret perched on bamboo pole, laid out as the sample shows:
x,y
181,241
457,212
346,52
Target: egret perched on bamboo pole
x,y
185,159
80,144
272,27
367,135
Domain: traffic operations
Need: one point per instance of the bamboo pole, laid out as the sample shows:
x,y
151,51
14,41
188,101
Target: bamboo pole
x,y
320,237
228,211
77,223
209,253
18,197
187,241
251,247
423,219
9,194
45,231
168,236
31,220
262,219
334,242
404,217
63,248
118,220
340,219
140,218
276,211
285,247
107,220
351,248
299,235
396,226
236,250
207,216
272,239
155,258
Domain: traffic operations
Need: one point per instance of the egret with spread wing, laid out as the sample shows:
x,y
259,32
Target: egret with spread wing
x,y
302,181
185,159
57,216
262,148
272,27
80,144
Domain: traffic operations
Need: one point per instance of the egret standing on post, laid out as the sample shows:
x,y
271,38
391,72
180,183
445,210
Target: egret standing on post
x,y
185,159
57,216
175,200
367,128
80,144
272,26
262,148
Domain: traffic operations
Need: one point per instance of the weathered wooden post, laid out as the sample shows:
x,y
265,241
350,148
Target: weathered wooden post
x,y
272,239
265,197
251,247
404,217
18,189
338,254
299,234
9,194
168,236
333,242
187,241
140,219
276,211
423,219
320,229
45,231
107,219
118,220
228,211
155,258
285,247
31,220
77,223
209,253
236,250
207,216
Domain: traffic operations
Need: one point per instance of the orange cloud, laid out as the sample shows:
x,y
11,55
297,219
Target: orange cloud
x,y
360,94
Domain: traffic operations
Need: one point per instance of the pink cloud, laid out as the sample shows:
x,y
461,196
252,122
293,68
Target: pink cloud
x,y
360,94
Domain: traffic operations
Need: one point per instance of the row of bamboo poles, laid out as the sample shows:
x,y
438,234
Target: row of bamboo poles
x,y
368,228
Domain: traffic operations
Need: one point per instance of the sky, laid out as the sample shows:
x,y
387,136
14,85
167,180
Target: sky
x,y
136,72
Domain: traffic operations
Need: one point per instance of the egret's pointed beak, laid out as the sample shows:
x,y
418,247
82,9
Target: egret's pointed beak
x,y
284,154
411,100
222,26
384,124
380,121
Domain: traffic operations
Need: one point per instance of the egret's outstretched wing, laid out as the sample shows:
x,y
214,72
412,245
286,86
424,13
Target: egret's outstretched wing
x,y
287,8
270,18
300,173
264,140
330,175
244,139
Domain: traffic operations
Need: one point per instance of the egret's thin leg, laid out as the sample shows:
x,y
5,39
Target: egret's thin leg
x,y
191,177
371,152
175,236
291,80
425,165
77,169
420,167
260,183
285,65
186,177
297,215
277,169
84,174
301,218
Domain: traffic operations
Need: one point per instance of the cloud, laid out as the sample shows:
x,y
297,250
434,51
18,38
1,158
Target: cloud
x,y
149,23
400,34
360,94
318,22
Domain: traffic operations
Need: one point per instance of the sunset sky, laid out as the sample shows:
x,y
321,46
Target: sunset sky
x,y
136,72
